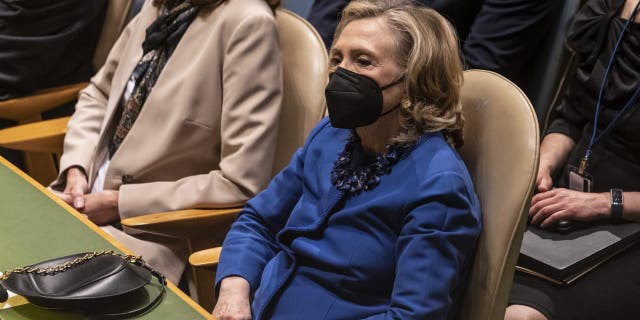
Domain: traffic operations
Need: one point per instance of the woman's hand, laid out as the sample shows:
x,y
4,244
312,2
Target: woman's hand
x,y
75,188
102,207
233,300
544,182
554,150
547,208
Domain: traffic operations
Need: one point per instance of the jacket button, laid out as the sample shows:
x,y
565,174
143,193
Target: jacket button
x,y
126,179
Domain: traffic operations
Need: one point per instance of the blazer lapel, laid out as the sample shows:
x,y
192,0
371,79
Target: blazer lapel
x,y
329,201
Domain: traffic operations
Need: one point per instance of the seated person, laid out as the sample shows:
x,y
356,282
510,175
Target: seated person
x,y
498,35
376,216
183,115
44,44
613,163
47,43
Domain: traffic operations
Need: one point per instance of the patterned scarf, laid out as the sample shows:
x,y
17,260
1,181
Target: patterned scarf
x,y
162,37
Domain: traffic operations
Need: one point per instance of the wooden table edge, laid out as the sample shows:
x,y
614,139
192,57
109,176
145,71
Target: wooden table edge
x,y
101,232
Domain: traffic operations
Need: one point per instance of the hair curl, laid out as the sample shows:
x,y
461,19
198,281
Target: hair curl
x,y
427,48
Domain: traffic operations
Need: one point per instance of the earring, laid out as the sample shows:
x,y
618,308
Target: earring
x,y
405,103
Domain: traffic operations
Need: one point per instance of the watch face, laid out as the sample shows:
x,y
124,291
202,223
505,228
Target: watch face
x,y
616,205
616,196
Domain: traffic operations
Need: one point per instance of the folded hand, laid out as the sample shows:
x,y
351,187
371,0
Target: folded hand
x,y
75,188
547,208
102,207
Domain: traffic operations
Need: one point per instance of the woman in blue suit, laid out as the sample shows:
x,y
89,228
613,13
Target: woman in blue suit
x,y
376,216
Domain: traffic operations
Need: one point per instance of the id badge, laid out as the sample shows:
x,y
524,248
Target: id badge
x,y
579,182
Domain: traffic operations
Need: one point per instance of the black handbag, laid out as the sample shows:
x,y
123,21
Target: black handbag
x,y
101,284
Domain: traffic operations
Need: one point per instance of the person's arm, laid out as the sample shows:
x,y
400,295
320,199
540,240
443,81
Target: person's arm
x,y
251,101
251,242
46,44
434,250
629,5
505,35
554,150
84,126
563,204
233,300
631,206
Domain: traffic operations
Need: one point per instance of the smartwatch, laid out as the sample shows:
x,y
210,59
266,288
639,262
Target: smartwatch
x,y
616,205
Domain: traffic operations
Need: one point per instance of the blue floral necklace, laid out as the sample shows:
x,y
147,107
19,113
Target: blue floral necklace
x,y
360,175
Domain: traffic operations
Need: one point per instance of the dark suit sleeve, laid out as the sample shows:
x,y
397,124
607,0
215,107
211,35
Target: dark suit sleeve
x,y
45,44
507,34
324,17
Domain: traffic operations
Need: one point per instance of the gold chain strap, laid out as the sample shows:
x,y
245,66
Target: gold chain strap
x,y
69,264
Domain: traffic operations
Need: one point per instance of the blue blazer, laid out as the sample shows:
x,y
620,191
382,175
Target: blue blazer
x,y
398,251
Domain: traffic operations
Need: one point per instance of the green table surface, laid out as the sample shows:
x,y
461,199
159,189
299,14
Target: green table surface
x,y
33,228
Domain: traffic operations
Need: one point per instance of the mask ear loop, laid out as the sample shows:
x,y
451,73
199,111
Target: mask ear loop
x,y
389,86
392,84
389,111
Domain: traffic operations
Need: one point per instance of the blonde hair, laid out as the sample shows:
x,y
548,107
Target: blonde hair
x,y
427,47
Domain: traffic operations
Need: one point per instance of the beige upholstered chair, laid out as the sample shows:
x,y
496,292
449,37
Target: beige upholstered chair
x,y
501,152
40,138
305,61
501,145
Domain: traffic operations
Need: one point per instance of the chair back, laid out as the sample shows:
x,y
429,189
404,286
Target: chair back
x,y
118,14
553,56
501,152
304,63
47,136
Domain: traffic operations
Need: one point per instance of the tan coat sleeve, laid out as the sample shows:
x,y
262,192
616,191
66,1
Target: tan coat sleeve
x,y
252,96
83,129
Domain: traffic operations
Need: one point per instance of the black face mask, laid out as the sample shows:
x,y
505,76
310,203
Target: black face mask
x,y
354,100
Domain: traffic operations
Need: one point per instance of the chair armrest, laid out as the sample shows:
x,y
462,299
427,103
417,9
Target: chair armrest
x,y
26,107
43,136
207,259
184,224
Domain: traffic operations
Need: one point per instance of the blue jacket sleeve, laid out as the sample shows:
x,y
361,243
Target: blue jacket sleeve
x,y
434,250
251,242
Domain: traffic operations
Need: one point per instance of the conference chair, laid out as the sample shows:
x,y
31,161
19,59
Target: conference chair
x,y
39,139
304,77
501,152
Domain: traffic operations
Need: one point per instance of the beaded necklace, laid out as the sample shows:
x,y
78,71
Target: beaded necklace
x,y
355,177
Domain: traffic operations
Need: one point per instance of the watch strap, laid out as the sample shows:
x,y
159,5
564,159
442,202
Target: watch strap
x,y
617,202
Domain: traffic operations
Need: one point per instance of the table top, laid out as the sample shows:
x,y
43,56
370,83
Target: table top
x,y
35,226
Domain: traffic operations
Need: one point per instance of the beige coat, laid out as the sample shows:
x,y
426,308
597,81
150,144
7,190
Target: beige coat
x,y
206,134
